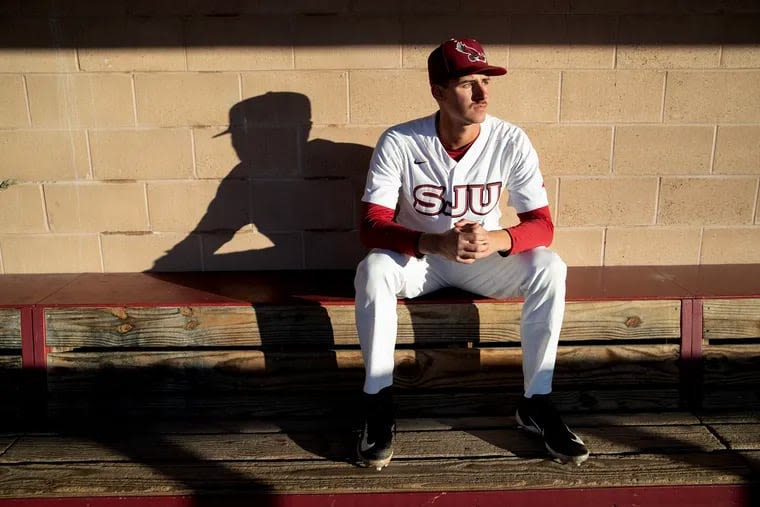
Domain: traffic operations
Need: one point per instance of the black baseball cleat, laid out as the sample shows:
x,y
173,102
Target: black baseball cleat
x,y
374,447
538,415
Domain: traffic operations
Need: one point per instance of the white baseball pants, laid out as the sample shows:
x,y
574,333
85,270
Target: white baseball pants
x,y
538,275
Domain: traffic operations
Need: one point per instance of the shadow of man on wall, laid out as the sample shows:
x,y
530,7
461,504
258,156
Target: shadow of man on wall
x,y
284,200
281,207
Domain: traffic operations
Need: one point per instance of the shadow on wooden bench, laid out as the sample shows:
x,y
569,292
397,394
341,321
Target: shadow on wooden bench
x,y
114,436
247,383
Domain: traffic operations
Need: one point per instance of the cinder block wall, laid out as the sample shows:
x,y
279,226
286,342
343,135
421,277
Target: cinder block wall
x,y
194,135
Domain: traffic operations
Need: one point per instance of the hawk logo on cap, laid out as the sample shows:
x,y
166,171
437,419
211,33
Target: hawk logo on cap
x,y
472,54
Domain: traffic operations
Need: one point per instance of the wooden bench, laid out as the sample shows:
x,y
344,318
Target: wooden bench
x,y
171,387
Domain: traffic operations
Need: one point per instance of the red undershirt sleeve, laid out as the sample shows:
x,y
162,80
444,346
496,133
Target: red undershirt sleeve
x,y
378,230
535,229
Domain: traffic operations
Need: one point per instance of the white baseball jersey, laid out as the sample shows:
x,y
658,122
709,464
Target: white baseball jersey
x,y
410,167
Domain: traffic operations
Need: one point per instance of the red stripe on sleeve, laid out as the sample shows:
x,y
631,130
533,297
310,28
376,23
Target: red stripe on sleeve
x,y
535,229
378,230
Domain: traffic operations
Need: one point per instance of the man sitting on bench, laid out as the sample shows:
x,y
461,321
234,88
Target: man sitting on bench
x,y
445,173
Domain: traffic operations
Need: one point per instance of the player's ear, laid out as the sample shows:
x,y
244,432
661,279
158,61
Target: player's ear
x,y
437,91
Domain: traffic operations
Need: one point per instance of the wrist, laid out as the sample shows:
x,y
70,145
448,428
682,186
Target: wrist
x,y
501,240
428,243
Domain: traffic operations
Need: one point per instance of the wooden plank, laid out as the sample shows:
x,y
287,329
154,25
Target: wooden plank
x,y
212,287
731,380
617,365
10,328
649,439
575,420
30,289
315,325
716,398
632,419
258,447
622,320
500,322
597,320
712,281
496,402
726,417
585,423
198,478
732,365
731,319
405,424
744,437
752,459
155,327
13,381
204,371
338,446
456,323
622,283
246,326
341,404
11,362
5,444
284,405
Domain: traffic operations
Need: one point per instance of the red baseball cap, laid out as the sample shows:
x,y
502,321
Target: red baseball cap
x,y
459,57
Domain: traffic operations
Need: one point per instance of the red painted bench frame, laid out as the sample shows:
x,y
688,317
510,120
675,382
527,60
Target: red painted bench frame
x,y
33,294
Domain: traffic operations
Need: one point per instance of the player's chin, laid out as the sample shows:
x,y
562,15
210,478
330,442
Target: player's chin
x,y
478,113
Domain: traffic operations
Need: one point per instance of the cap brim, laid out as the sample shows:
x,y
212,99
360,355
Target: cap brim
x,y
493,70
229,130
485,70
488,70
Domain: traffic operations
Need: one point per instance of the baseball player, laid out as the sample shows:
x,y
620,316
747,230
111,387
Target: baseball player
x,y
431,217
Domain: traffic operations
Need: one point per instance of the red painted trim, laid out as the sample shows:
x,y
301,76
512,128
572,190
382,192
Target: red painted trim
x,y
658,496
691,352
687,323
697,330
27,338
136,304
40,347
697,337
332,301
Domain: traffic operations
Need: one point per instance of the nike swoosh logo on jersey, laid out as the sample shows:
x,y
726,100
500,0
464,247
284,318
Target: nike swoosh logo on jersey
x,y
365,445
419,162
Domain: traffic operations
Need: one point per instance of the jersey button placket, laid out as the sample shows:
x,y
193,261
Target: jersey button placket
x,y
454,180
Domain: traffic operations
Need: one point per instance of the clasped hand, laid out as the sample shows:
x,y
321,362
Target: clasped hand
x,y
467,242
